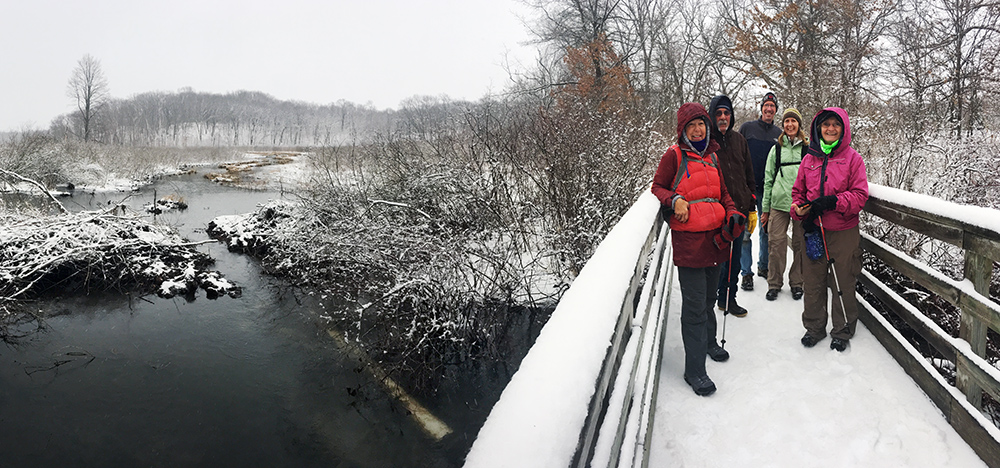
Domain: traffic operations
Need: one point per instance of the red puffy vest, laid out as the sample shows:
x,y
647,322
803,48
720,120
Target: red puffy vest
x,y
699,182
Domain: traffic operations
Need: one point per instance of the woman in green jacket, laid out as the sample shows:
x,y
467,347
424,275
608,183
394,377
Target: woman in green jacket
x,y
779,176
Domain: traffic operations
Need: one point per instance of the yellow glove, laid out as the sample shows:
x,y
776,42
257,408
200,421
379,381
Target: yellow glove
x,y
751,222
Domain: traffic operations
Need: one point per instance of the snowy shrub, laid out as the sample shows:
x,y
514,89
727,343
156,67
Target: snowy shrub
x,y
99,251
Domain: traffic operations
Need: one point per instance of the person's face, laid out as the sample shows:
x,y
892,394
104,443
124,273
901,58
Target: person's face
x,y
768,110
831,129
722,119
695,130
791,127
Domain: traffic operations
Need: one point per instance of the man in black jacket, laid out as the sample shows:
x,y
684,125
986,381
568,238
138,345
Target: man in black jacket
x,y
737,173
761,135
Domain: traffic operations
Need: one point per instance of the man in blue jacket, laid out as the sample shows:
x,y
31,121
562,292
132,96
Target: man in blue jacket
x,y
761,135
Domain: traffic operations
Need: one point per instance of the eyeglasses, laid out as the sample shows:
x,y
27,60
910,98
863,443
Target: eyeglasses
x,y
722,112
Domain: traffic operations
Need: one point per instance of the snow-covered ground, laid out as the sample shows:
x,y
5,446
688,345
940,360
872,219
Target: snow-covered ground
x,y
780,404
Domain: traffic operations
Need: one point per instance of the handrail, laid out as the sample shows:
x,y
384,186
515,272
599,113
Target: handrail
x,y
977,231
584,394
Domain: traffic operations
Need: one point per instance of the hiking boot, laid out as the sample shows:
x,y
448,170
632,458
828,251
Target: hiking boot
x,y
747,283
771,295
701,385
736,310
762,272
808,340
838,344
796,293
718,354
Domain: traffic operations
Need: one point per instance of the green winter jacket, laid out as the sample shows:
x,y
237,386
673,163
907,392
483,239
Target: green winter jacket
x,y
778,185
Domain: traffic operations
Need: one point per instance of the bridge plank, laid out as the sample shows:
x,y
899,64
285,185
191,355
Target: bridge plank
x,y
956,409
967,236
970,372
975,434
941,345
916,220
915,368
944,287
908,268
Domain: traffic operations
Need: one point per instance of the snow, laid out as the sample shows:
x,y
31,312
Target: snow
x,y
551,390
781,404
778,403
986,218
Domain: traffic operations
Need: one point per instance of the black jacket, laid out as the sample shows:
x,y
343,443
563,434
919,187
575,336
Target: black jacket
x,y
734,160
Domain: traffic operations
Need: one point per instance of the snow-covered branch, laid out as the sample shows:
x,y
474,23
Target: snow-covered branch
x,y
36,184
98,250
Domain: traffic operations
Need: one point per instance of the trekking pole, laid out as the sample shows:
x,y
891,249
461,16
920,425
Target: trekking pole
x,y
729,279
829,261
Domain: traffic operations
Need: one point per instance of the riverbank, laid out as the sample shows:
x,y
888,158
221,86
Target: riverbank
x,y
114,248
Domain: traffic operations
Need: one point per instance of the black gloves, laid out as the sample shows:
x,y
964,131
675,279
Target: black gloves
x,y
731,229
824,203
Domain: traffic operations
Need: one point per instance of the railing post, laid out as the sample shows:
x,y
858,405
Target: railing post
x,y
978,270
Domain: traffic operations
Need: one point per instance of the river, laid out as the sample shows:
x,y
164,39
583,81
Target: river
x,y
113,380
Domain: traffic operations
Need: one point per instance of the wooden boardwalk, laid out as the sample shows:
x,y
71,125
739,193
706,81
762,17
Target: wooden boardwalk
x,y
781,404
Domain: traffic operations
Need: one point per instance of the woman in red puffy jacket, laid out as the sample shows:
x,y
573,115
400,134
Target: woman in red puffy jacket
x,y
703,221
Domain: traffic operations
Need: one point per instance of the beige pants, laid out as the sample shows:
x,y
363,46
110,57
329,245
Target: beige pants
x,y
845,251
777,245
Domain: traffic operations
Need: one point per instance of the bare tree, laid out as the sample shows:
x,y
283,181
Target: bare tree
x,y
89,89
969,30
815,53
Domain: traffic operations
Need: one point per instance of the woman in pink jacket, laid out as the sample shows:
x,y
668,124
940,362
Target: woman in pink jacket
x,y
829,192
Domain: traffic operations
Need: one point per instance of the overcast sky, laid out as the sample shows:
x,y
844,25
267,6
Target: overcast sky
x,y
320,51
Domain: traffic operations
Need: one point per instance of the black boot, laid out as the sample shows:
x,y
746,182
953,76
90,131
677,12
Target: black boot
x,y
747,284
771,295
718,354
809,341
796,293
736,310
701,385
838,344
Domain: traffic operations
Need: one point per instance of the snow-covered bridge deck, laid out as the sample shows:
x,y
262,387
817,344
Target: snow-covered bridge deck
x,y
781,404
602,385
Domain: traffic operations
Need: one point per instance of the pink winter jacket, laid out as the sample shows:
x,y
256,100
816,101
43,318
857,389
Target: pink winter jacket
x,y
845,176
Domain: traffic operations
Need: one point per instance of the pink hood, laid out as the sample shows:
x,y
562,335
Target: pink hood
x,y
844,171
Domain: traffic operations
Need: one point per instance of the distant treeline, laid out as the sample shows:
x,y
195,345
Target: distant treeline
x,y
241,118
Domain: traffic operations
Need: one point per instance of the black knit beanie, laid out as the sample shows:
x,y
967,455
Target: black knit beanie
x,y
769,97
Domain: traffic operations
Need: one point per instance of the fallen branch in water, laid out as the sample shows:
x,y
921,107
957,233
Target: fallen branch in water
x,y
36,184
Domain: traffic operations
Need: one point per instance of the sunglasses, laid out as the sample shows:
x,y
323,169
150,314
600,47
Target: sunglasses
x,y
722,112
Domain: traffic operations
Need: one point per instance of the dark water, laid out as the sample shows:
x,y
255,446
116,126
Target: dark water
x,y
252,381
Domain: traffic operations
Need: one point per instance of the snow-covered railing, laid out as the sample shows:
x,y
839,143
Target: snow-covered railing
x,y
585,393
977,231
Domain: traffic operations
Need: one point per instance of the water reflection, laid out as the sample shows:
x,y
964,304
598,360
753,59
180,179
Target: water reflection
x,y
254,381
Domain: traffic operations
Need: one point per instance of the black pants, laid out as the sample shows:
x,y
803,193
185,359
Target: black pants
x,y
698,322
730,273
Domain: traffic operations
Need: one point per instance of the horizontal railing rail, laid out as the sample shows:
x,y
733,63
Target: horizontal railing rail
x,y
977,231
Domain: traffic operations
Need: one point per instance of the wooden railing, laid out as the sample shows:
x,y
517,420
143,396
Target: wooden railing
x,y
600,413
585,393
975,230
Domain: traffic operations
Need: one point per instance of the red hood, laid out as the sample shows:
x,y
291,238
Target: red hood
x,y
688,112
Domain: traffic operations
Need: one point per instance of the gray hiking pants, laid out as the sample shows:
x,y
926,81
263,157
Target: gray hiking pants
x,y
698,322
